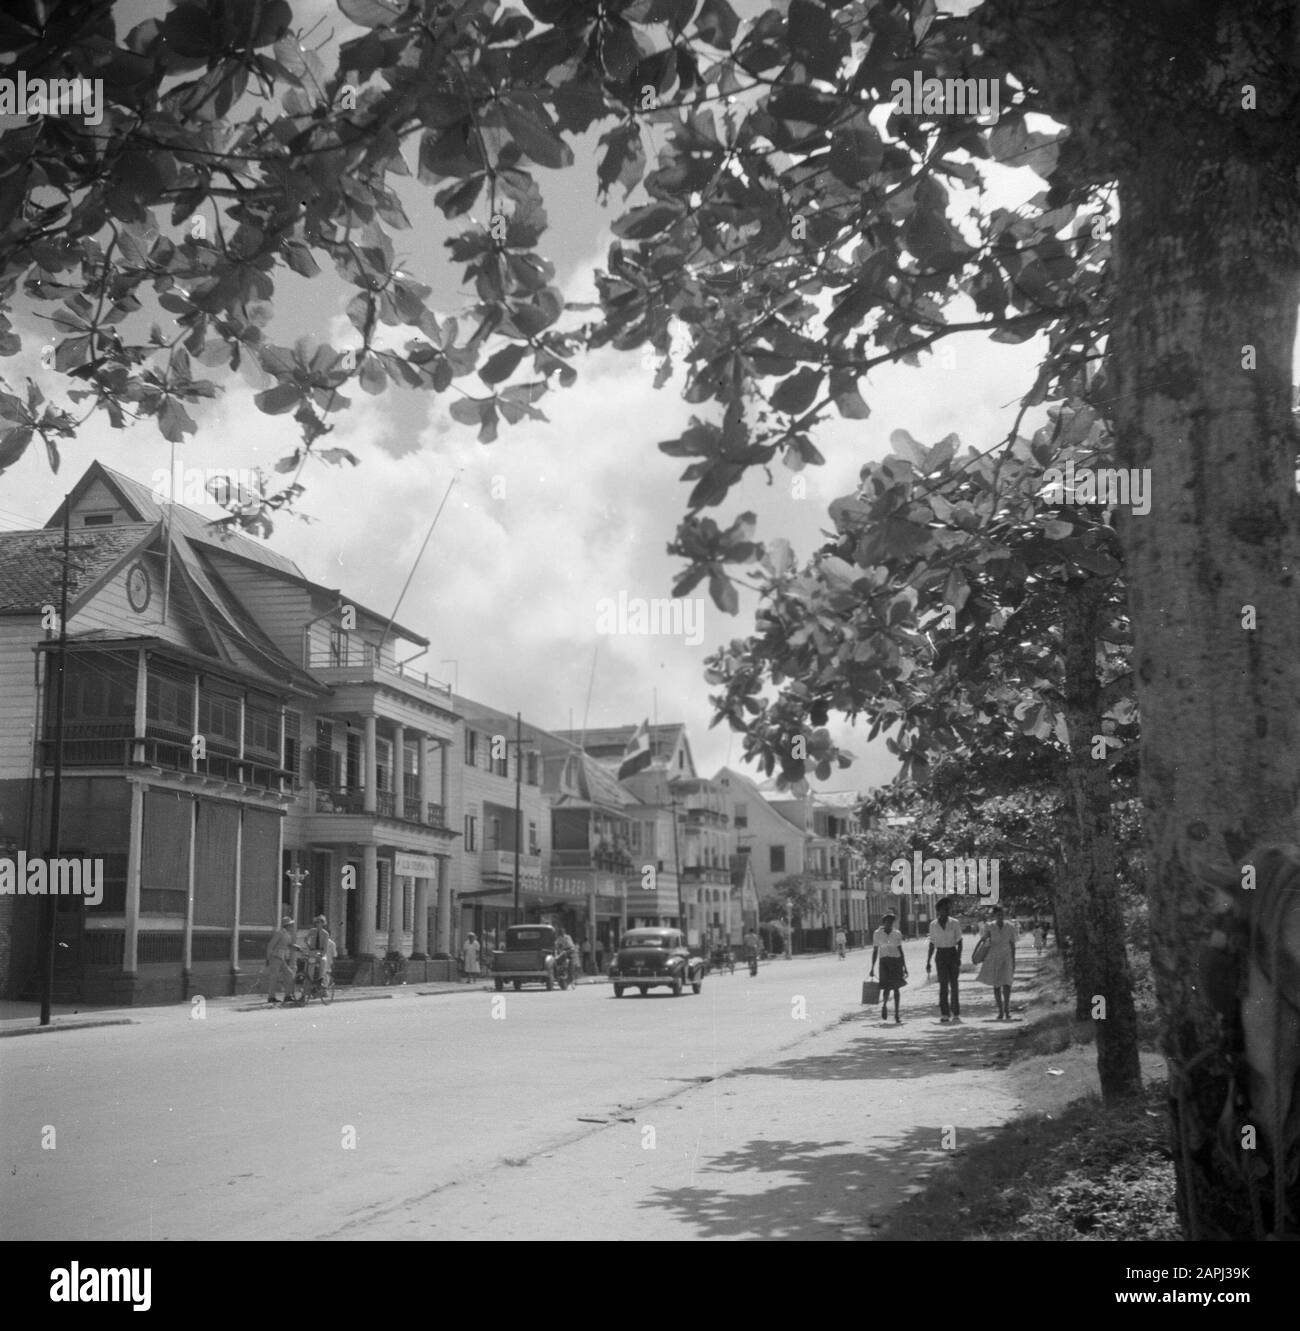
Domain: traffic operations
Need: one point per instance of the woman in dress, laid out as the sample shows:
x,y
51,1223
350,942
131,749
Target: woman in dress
x,y
999,965
887,944
469,958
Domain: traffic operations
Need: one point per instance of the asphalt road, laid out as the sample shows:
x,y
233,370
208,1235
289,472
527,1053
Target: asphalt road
x,y
342,1122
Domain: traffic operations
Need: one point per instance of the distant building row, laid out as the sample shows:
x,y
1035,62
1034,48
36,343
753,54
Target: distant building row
x,y
239,740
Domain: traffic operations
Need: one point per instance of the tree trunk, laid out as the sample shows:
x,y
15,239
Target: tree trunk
x,y
1071,935
1104,986
1190,107
1207,259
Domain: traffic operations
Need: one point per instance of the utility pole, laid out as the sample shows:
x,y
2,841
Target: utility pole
x,y
519,816
49,903
677,861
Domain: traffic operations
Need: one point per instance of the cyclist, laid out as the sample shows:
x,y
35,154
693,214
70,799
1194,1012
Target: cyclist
x,y
320,952
751,949
566,952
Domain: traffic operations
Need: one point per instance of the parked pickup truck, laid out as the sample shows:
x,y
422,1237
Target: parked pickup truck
x,y
527,958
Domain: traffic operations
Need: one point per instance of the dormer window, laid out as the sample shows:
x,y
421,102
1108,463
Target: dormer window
x,y
96,519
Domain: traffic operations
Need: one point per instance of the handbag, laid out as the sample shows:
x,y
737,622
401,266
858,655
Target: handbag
x,y
981,949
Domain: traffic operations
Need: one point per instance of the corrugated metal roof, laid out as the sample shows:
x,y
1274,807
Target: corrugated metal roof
x,y
150,508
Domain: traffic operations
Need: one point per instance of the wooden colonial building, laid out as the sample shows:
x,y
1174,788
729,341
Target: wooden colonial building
x,y
226,721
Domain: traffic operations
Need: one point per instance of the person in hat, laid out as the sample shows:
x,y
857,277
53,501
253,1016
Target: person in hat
x,y
887,944
279,961
321,947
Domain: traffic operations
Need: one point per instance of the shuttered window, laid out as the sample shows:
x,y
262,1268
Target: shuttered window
x,y
165,852
259,890
215,836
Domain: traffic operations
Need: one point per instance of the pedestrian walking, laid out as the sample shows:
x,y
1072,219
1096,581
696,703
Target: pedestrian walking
x,y
999,965
1040,938
841,942
469,954
279,961
887,944
945,952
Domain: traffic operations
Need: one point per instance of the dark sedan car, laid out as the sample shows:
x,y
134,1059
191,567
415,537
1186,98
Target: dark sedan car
x,y
650,957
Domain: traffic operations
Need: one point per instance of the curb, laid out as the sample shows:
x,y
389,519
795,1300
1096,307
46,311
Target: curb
x,y
338,998
68,1026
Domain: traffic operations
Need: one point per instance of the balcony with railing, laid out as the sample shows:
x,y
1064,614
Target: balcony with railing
x,y
701,818
111,744
611,859
361,662
352,800
710,875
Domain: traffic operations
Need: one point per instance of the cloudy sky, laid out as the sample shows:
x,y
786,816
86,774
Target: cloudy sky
x,y
550,520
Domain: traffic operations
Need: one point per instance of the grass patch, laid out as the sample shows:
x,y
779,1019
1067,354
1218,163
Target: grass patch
x,y
1054,1029
1086,1174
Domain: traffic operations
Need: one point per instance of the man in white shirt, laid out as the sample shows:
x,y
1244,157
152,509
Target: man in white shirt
x,y
945,949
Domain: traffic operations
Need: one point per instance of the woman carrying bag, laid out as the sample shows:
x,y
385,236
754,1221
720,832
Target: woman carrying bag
x,y
887,944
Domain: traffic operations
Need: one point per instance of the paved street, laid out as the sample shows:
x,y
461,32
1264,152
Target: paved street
x,y
468,1115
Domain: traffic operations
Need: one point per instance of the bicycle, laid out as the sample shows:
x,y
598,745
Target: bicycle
x,y
313,980
722,958
565,971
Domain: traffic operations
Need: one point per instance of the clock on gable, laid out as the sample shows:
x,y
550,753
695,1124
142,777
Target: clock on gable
x,y
138,588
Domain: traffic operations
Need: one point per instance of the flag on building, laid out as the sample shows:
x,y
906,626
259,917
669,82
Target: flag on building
x,y
636,757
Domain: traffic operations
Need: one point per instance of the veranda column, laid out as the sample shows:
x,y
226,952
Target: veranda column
x,y
444,907
396,895
365,943
135,846
369,799
399,771
420,942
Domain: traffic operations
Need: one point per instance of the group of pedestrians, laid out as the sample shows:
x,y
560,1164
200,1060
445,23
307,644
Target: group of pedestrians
x,y
995,952
281,956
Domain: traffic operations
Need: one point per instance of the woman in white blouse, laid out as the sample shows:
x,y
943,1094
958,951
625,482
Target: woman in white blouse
x,y
887,944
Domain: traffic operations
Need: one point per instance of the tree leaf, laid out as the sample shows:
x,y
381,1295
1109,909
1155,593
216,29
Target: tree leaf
x,y
796,394
531,129
278,400
502,364
13,444
649,220
372,13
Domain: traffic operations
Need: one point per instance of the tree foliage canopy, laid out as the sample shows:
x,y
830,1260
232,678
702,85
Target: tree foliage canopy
x,y
805,219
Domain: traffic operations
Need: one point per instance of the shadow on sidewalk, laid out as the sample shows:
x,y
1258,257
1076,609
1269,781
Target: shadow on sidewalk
x,y
941,1051
834,1189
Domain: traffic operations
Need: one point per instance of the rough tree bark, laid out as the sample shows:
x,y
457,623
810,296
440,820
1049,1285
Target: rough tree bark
x,y
1191,107
1102,969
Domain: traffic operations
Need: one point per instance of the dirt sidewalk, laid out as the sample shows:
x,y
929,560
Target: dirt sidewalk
x,y
820,1144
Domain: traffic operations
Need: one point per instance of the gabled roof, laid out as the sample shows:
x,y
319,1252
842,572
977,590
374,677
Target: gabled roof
x,y
146,506
31,573
201,535
31,563
609,743
597,786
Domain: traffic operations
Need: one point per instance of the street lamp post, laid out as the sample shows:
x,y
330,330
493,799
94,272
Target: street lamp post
x,y
296,877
